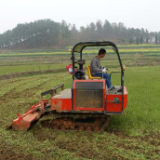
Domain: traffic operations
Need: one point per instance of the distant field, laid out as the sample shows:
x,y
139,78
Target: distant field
x,y
137,55
131,46
16,65
133,135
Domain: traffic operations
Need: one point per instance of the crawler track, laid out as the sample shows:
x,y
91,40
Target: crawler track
x,y
95,124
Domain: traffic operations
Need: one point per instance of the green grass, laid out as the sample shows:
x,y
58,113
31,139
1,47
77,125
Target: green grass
x,y
133,135
27,68
142,113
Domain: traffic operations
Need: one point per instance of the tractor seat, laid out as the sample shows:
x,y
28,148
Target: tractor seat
x,y
89,74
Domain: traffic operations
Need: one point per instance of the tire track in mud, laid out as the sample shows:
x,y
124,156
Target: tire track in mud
x,y
14,94
12,103
32,90
12,81
26,92
29,91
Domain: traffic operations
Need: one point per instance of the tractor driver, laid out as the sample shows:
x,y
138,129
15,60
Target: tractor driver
x,y
98,71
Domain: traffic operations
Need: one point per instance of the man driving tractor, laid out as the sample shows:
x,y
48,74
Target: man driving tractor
x,y
98,71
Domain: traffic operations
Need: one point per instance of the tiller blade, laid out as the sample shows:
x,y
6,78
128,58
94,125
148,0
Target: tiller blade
x,y
23,122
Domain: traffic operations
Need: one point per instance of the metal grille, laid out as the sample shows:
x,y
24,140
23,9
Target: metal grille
x,y
89,94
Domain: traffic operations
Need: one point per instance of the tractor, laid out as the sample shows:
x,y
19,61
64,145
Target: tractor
x,y
86,106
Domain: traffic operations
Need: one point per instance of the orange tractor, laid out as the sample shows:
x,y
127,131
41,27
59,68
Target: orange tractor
x,y
86,106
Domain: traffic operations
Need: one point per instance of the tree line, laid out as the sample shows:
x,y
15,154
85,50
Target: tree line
x,y
50,34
